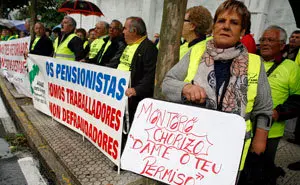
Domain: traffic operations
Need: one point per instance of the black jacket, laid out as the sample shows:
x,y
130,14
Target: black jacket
x,y
111,57
43,47
142,69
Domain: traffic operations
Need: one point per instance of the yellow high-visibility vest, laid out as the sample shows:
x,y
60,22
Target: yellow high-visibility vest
x,y
62,51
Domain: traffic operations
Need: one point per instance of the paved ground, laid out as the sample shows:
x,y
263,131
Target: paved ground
x,y
84,164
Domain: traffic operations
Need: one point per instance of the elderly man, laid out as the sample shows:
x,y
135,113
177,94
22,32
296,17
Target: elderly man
x,y
113,47
40,43
68,46
283,76
101,33
139,57
197,21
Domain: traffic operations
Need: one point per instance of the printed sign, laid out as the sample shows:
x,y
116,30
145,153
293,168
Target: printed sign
x,y
88,99
13,63
179,144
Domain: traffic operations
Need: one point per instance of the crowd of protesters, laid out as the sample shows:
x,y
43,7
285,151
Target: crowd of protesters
x,y
217,57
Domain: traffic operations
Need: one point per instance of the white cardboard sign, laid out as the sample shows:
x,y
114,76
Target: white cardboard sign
x,y
180,144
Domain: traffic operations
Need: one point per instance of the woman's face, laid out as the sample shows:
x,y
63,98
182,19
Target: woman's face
x,y
227,29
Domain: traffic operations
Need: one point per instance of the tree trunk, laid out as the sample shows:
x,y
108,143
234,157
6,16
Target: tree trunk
x,y
170,34
1,8
33,10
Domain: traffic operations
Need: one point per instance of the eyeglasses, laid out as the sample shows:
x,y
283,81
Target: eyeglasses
x,y
268,40
185,20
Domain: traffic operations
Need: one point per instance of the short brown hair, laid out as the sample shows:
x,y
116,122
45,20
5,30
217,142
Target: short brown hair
x,y
201,18
237,6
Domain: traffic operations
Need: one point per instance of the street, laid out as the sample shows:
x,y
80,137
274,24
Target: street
x,y
17,164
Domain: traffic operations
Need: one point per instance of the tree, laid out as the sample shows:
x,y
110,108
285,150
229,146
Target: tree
x,y
170,33
47,10
9,5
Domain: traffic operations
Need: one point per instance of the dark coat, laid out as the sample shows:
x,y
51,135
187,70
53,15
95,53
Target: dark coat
x,y
43,47
142,69
111,57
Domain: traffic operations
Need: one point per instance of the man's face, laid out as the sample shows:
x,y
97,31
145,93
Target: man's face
x,y
294,41
4,32
38,30
92,35
129,35
100,29
114,30
270,44
80,35
66,26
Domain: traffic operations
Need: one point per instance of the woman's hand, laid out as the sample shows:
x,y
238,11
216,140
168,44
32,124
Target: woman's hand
x,y
194,93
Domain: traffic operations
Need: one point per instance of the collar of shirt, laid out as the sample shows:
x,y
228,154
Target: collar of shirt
x,y
140,40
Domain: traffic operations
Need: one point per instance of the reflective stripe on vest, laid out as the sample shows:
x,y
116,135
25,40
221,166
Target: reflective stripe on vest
x,y
62,51
127,56
297,60
284,81
184,48
96,45
85,44
34,42
106,46
254,65
11,37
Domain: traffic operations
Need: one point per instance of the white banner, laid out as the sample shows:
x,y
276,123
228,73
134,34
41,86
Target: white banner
x,y
13,64
88,99
179,144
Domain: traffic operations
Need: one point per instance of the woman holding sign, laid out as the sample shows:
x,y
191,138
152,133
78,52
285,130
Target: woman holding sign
x,y
220,74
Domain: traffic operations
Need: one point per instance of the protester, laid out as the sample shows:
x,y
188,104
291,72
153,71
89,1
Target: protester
x,y
81,33
22,34
48,32
8,34
197,21
92,35
292,52
139,57
101,33
68,46
291,49
283,76
155,39
216,74
4,34
249,41
27,27
55,33
113,47
40,43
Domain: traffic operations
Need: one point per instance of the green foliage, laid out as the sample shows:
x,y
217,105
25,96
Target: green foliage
x,y
48,11
9,5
